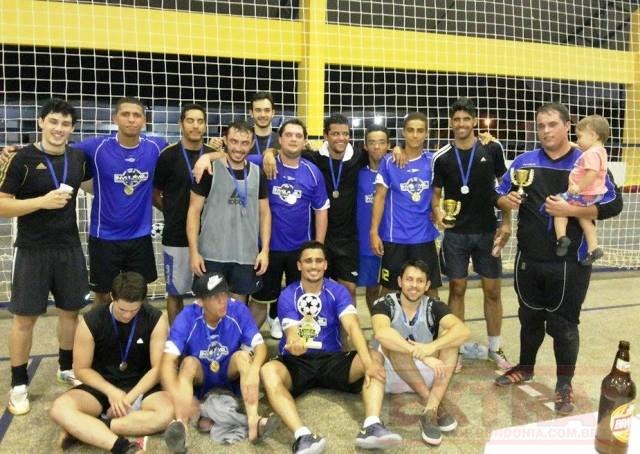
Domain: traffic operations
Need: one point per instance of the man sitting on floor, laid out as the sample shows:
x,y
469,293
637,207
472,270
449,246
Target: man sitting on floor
x,y
117,352
420,338
220,347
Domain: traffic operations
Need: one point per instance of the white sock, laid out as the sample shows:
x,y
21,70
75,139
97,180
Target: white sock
x,y
304,430
494,343
370,420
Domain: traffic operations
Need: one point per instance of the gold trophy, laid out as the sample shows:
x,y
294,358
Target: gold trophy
x,y
309,305
451,210
522,178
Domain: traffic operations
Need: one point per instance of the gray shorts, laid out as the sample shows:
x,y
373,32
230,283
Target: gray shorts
x,y
177,270
458,248
38,271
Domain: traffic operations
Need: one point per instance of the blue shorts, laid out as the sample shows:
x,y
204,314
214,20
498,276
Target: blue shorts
x,y
177,270
219,379
369,270
581,200
458,248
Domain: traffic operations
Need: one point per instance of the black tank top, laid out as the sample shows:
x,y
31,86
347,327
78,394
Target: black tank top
x,y
106,355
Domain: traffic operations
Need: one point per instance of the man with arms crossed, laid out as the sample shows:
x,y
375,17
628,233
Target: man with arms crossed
x,y
550,289
118,347
323,306
227,213
172,182
39,185
466,170
420,339
216,344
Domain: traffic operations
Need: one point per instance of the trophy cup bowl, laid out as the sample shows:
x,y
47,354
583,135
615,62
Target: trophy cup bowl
x,y
522,178
451,209
307,330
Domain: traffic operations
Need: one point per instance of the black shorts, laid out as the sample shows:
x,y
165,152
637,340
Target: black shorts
x,y
108,258
342,258
242,279
104,400
558,287
395,255
279,263
458,248
321,370
38,271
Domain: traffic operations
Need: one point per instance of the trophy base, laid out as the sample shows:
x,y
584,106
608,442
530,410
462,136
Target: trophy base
x,y
448,222
316,345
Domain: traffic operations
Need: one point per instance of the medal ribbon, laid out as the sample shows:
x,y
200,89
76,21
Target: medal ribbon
x,y
242,197
124,355
266,147
465,177
52,171
334,180
188,163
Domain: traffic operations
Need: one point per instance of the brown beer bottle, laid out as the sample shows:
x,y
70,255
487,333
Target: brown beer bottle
x,y
617,394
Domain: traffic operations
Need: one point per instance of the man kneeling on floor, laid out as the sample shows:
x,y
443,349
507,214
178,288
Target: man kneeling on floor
x,y
312,312
116,355
420,338
221,347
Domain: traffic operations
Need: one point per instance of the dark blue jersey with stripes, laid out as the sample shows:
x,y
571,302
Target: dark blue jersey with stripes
x,y
536,235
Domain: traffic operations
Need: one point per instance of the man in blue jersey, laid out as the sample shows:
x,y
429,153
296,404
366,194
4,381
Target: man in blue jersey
x,y
420,338
376,143
401,225
299,204
39,187
172,182
121,214
312,312
466,171
228,213
216,344
550,289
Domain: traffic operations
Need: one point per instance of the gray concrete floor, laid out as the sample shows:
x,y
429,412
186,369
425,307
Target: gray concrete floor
x,y
611,312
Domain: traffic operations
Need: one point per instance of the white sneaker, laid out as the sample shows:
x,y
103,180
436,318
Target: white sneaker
x,y
19,400
275,329
67,377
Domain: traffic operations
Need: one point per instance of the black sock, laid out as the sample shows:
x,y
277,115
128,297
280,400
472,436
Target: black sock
x,y
65,359
273,310
19,375
120,446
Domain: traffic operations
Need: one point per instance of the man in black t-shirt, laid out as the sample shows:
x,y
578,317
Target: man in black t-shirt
x,y
39,186
172,187
117,357
466,171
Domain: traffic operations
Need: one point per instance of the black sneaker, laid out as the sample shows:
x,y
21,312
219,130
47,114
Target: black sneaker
x,y
431,433
175,437
446,422
514,376
592,256
377,436
565,403
562,246
309,444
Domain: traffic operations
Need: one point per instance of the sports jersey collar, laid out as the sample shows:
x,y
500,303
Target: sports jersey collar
x,y
324,151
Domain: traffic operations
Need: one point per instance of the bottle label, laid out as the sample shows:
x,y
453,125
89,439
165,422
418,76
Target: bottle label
x,y
623,366
620,422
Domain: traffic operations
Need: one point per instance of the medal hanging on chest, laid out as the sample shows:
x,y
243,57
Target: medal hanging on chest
x,y
124,354
335,181
464,176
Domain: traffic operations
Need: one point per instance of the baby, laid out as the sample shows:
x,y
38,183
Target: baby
x,y
586,184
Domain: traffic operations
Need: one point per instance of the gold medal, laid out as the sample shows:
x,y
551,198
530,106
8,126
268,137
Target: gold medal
x,y
214,366
122,366
415,197
128,190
